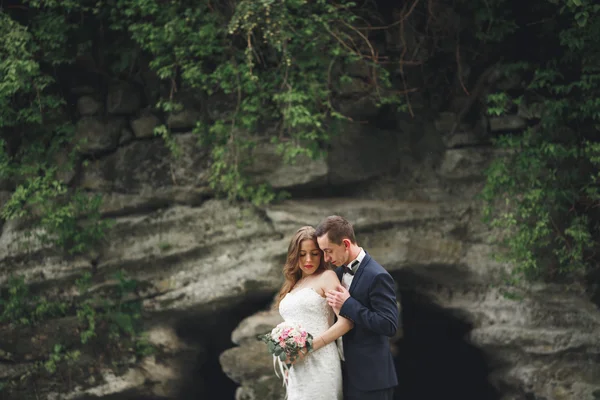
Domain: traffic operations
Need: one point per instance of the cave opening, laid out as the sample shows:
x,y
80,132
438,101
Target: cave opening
x,y
433,357
434,360
212,330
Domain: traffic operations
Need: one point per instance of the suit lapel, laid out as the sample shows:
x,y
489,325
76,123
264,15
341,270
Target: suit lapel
x,y
339,271
358,273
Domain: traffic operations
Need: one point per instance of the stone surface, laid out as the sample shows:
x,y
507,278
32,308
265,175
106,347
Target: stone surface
x,y
183,120
361,152
468,163
143,126
247,363
148,168
66,169
262,388
445,122
357,154
463,139
197,240
366,214
359,108
88,105
267,165
199,259
507,123
126,137
123,99
257,324
96,135
82,90
250,365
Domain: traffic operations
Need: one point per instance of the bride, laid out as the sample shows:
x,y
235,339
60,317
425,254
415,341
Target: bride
x,y
318,375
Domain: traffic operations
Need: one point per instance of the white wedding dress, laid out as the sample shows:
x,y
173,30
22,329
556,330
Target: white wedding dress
x,y
318,376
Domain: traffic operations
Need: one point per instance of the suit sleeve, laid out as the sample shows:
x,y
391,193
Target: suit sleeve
x,y
382,317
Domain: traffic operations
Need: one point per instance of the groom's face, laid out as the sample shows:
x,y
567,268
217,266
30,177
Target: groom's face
x,y
336,254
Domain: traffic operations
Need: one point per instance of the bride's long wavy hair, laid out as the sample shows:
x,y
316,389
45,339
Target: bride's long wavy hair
x,y
291,270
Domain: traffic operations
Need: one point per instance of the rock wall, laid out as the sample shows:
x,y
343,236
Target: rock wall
x,y
209,268
544,344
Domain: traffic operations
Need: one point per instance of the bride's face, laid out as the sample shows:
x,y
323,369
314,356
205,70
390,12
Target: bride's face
x,y
309,258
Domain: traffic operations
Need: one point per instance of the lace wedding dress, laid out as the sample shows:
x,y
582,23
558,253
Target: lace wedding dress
x,y
318,376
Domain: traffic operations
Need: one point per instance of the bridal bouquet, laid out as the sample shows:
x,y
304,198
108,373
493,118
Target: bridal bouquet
x,y
286,341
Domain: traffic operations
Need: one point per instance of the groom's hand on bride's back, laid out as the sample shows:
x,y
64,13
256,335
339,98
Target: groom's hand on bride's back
x,y
337,297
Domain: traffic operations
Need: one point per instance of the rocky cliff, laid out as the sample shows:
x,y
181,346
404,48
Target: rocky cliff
x,y
209,268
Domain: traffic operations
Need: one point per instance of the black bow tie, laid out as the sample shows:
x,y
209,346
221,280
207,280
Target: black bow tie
x,y
352,268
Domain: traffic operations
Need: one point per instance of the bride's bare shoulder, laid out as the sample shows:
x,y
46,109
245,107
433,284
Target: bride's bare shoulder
x,y
328,274
329,279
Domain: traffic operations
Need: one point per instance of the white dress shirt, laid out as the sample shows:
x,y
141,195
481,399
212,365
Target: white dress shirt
x,y
347,278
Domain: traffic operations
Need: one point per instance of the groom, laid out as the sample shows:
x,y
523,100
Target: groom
x,y
367,297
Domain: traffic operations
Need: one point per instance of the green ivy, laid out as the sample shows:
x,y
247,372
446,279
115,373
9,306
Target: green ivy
x,y
278,62
36,131
21,307
122,313
547,179
116,316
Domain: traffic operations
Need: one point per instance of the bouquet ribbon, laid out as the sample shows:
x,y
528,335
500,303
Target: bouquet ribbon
x,y
283,368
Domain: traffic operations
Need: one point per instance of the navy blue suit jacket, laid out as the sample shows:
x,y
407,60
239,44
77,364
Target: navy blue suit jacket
x,y
373,309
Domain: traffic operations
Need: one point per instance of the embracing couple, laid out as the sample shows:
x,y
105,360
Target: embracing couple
x,y
355,303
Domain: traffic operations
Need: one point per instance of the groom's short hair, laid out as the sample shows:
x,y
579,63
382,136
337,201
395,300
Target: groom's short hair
x,y
336,228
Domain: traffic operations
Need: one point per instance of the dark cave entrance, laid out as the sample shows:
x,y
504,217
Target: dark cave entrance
x,y
212,330
434,361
